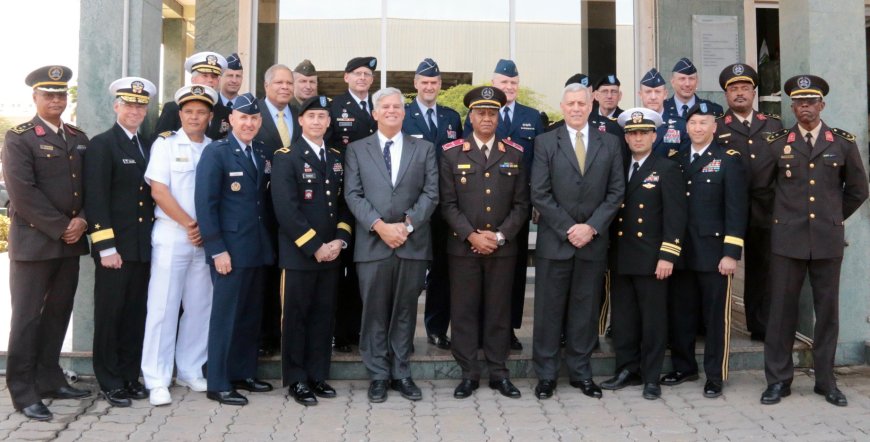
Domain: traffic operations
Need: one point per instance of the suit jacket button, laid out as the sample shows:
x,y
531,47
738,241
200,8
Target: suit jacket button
x,y
640,234
640,206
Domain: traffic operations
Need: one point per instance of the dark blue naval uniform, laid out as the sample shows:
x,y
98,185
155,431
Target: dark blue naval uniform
x,y
525,125
718,210
311,212
231,195
449,128
671,137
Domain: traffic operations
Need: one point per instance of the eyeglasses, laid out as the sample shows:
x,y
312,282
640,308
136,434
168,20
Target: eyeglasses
x,y
362,74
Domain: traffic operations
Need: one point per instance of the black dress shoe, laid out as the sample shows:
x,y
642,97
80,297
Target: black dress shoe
x,y
117,397
253,385
515,342
622,380
678,377
465,388
506,388
651,390
37,412
834,396
66,392
712,389
775,392
439,340
545,388
322,389
588,387
563,341
407,388
135,390
378,391
342,348
302,394
230,397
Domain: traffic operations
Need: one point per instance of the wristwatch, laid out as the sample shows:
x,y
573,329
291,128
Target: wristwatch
x,y
408,225
500,237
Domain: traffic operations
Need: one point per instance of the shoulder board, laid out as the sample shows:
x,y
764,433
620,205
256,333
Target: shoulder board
x,y
335,151
553,123
774,116
732,152
777,135
166,134
512,144
452,144
74,127
283,150
843,134
21,128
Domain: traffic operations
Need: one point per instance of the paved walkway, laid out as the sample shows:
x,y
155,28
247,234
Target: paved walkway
x,y
682,414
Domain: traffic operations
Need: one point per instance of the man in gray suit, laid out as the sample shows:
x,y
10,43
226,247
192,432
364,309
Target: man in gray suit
x,y
391,187
577,186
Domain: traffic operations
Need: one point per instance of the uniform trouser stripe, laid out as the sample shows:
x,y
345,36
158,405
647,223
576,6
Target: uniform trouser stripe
x,y
727,342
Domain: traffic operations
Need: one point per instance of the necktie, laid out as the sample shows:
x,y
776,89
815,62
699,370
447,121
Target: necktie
x,y
580,150
485,150
323,154
60,134
695,156
432,128
685,109
810,139
135,141
229,104
746,123
507,116
388,159
283,131
634,167
364,106
250,156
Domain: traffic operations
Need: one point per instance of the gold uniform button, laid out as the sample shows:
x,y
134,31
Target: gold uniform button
x,y
835,164
812,216
73,212
690,182
140,219
812,182
488,209
486,174
640,220
489,226
751,155
812,165
620,219
73,175
327,181
750,141
676,241
488,191
75,194
619,233
140,187
70,157
141,204
329,203
622,205
454,234
688,193
640,206
328,193
640,234
812,199
717,233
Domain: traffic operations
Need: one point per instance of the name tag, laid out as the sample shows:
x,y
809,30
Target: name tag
x,y
46,147
463,166
182,159
236,173
128,161
309,176
417,135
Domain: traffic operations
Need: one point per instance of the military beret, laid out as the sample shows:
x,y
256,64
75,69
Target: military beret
x,y
806,86
49,78
196,92
358,62
685,66
317,102
305,68
485,97
580,79
639,118
507,68
246,104
652,79
428,68
207,62
736,73
701,108
234,62
607,80
133,89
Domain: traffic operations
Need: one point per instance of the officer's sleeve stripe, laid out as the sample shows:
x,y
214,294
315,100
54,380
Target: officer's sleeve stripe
x,y
102,235
345,226
734,240
305,238
671,248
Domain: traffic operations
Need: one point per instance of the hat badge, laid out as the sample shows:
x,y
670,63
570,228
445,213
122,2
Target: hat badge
x,y
637,117
737,69
137,87
55,73
611,78
585,82
487,93
804,82
372,63
197,90
322,101
703,107
211,59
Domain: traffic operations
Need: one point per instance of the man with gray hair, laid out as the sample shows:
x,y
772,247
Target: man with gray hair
x,y
391,187
577,185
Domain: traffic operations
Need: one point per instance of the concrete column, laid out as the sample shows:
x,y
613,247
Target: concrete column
x,y
217,26
101,36
174,54
814,30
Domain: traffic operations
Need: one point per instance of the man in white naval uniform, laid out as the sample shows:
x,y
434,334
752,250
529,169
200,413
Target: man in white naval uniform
x,y
179,273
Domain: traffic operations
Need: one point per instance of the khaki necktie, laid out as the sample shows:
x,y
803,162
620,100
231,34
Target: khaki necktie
x,y
283,132
580,150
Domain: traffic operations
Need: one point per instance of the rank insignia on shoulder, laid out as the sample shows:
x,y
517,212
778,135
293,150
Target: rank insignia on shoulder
x,y
843,134
777,135
466,146
452,144
283,150
24,127
335,151
166,134
725,135
733,152
727,119
501,147
765,115
672,152
74,127
512,144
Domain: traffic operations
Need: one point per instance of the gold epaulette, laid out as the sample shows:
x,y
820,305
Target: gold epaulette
x,y
74,127
23,127
843,134
166,134
777,135
774,116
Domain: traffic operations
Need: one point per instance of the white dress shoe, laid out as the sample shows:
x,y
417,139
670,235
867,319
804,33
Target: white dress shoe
x,y
159,396
198,384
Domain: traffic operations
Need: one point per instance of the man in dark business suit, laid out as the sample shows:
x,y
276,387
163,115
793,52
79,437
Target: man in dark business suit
x,y
230,199
577,186
439,125
205,69
391,187
121,211
42,166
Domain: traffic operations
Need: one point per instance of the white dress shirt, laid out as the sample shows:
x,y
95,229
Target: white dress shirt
x,y
395,153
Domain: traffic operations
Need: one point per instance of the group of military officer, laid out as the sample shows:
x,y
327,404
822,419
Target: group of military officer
x,y
367,199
